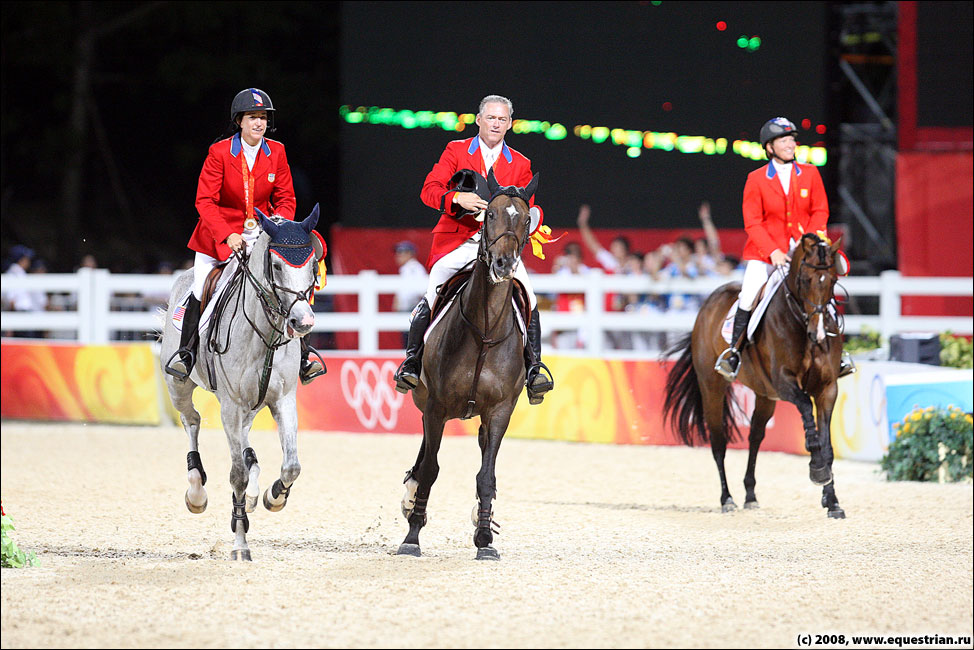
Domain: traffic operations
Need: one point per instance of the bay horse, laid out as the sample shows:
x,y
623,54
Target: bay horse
x,y
473,364
249,357
794,356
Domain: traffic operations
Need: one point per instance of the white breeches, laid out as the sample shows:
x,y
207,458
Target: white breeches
x,y
456,259
756,273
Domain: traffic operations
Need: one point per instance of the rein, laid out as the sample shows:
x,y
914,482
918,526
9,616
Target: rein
x,y
271,306
486,341
797,302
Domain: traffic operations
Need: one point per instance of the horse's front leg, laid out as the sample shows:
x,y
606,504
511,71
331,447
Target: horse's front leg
x,y
409,498
819,470
425,475
824,404
285,412
491,433
236,423
763,410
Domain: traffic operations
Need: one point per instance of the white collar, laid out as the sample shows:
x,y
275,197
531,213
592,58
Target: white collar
x,y
495,152
251,149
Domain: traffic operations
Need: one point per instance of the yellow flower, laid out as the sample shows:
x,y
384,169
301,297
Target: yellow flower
x,y
906,428
916,415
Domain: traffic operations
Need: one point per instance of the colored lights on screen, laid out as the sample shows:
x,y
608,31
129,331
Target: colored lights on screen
x,y
750,44
721,25
667,106
806,124
634,141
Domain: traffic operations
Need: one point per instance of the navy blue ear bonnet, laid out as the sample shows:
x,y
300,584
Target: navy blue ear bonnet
x,y
291,241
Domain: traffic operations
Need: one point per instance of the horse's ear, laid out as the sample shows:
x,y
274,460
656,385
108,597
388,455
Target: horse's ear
x,y
531,189
492,183
835,245
312,220
266,224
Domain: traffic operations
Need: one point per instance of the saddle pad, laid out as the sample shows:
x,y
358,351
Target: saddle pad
x,y
452,303
180,311
770,288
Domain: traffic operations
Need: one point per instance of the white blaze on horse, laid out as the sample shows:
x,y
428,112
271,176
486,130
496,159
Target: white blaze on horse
x,y
249,356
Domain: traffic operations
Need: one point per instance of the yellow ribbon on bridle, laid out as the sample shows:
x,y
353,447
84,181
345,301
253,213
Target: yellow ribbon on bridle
x,y
540,237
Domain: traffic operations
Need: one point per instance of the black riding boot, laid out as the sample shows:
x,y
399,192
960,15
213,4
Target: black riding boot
x,y
729,362
182,361
407,377
310,368
538,382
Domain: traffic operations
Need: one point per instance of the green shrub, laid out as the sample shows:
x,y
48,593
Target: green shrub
x,y
915,454
11,555
867,339
956,351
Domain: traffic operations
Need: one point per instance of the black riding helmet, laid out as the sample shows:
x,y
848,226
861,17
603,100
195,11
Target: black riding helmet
x,y
252,99
776,128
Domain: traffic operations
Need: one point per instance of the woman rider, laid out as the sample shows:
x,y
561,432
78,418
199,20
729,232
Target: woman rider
x,y
243,172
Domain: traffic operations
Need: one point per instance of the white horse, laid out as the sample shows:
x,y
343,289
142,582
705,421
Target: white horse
x,y
249,356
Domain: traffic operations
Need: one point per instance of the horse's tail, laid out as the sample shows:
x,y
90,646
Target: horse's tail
x,y
683,405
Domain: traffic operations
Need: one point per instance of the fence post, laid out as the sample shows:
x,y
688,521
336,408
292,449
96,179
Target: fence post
x,y
594,304
368,306
890,307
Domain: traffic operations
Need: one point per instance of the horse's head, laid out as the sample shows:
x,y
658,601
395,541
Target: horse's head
x,y
507,225
290,267
812,275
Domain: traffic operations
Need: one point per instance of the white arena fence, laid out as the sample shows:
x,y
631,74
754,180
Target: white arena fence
x,y
93,306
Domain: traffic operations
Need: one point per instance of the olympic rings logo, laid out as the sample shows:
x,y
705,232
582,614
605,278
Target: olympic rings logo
x,y
368,390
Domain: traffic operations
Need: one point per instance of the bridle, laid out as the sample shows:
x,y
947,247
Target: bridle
x,y
271,303
486,341
799,304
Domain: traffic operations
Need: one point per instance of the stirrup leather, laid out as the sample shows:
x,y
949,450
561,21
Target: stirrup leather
x,y
725,365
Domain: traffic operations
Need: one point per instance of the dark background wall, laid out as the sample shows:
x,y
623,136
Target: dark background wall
x,y
608,64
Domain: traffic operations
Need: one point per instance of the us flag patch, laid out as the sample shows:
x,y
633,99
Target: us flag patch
x,y
258,100
178,313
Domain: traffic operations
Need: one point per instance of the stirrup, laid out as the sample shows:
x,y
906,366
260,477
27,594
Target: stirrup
x,y
724,366
847,366
537,392
178,356
311,371
406,382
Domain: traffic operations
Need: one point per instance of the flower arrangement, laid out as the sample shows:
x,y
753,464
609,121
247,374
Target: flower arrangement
x,y
931,444
12,555
956,351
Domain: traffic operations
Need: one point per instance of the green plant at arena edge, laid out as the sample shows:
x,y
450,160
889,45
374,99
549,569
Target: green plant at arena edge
x,y
956,351
927,440
12,555
867,339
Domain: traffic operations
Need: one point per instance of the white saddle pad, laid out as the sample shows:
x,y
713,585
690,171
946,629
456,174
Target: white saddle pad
x,y
771,287
180,311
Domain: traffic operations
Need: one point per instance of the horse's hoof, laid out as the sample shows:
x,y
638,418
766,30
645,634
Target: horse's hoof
x,y
195,509
267,502
836,513
751,505
240,554
251,503
488,553
730,506
409,549
820,475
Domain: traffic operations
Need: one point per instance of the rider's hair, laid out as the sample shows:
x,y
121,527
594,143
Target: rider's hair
x,y
496,99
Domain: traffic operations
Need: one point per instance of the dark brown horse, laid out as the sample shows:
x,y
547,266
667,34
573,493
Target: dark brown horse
x,y
794,356
473,364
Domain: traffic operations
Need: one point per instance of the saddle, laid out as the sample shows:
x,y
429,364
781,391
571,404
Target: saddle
x,y
211,282
449,290
762,301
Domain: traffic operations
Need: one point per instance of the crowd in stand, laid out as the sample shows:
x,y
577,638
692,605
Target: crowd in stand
x,y
684,258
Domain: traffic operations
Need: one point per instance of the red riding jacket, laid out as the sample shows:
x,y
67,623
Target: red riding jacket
x,y
220,195
511,168
771,217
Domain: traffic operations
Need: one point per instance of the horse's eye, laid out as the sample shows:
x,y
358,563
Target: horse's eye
x,y
490,214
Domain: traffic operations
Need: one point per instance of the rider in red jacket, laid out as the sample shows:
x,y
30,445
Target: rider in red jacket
x,y
241,174
782,201
455,234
